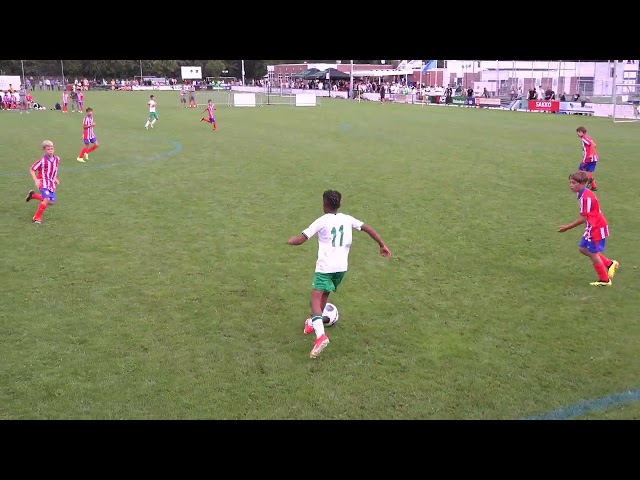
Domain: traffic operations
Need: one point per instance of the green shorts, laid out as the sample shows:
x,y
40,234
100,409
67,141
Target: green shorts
x,y
153,115
327,282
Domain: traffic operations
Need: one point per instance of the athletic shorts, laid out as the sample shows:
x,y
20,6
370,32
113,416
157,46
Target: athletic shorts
x,y
593,246
327,282
87,141
588,167
153,115
50,194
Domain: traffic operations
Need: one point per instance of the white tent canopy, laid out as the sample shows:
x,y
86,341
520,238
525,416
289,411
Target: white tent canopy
x,y
381,73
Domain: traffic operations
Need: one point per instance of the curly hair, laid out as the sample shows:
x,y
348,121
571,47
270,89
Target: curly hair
x,y
332,199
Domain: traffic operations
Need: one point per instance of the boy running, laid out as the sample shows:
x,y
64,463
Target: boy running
x,y
212,120
153,116
590,157
334,241
45,176
88,136
596,230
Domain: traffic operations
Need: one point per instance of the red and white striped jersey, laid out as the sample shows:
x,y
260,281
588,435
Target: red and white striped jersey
x,y
589,148
211,107
87,124
596,227
47,168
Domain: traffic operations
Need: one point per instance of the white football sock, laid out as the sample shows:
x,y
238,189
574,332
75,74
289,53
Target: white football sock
x,y
318,325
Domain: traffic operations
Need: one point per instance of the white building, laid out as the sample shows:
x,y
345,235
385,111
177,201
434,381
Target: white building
x,y
588,78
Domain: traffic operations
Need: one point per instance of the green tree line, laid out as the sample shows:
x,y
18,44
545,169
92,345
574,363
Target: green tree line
x,y
127,69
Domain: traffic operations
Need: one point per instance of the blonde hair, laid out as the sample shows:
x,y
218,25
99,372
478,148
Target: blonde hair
x,y
47,143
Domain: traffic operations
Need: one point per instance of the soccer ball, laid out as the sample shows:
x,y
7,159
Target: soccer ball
x,y
330,315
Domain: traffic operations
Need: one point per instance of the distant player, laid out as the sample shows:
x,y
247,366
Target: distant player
x,y
45,176
65,101
590,157
210,109
29,100
88,136
74,102
80,101
183,96
22,93
192,96
153,116
334,241
596,231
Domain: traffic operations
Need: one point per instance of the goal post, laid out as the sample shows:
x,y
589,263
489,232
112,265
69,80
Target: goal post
x,y
278,95
219,97
626,103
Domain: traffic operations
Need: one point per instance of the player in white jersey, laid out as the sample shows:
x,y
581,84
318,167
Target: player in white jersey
x,y
334,241
153,116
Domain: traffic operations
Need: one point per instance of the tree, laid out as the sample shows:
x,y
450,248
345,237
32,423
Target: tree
x,y
214,68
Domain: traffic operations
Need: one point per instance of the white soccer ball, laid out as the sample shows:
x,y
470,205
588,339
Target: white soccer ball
x,y
330,315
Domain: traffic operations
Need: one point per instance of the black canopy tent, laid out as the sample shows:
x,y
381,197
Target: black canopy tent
x,y
305,74
334,74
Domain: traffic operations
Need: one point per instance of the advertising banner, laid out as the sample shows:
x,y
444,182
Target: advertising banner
x,y
576,107
470,101
488,102
544,105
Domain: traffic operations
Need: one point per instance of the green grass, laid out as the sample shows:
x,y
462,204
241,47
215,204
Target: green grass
x,y
161,284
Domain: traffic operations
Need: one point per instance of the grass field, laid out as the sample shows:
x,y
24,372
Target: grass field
x,y
160,286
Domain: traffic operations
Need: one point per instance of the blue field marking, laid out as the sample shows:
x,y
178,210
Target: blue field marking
x,y
588,406
177,148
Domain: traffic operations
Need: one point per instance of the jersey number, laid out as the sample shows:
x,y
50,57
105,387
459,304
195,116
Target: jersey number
x,y
334,234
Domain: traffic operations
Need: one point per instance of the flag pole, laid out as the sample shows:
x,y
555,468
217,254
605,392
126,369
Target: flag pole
x,y
351,82
22,63
420,81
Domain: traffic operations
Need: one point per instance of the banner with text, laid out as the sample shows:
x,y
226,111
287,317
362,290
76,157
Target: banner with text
x,y
576,107
441,99
544,105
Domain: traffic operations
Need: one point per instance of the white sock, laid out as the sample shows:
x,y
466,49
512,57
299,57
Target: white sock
x,y
318,326
153,121
147,124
